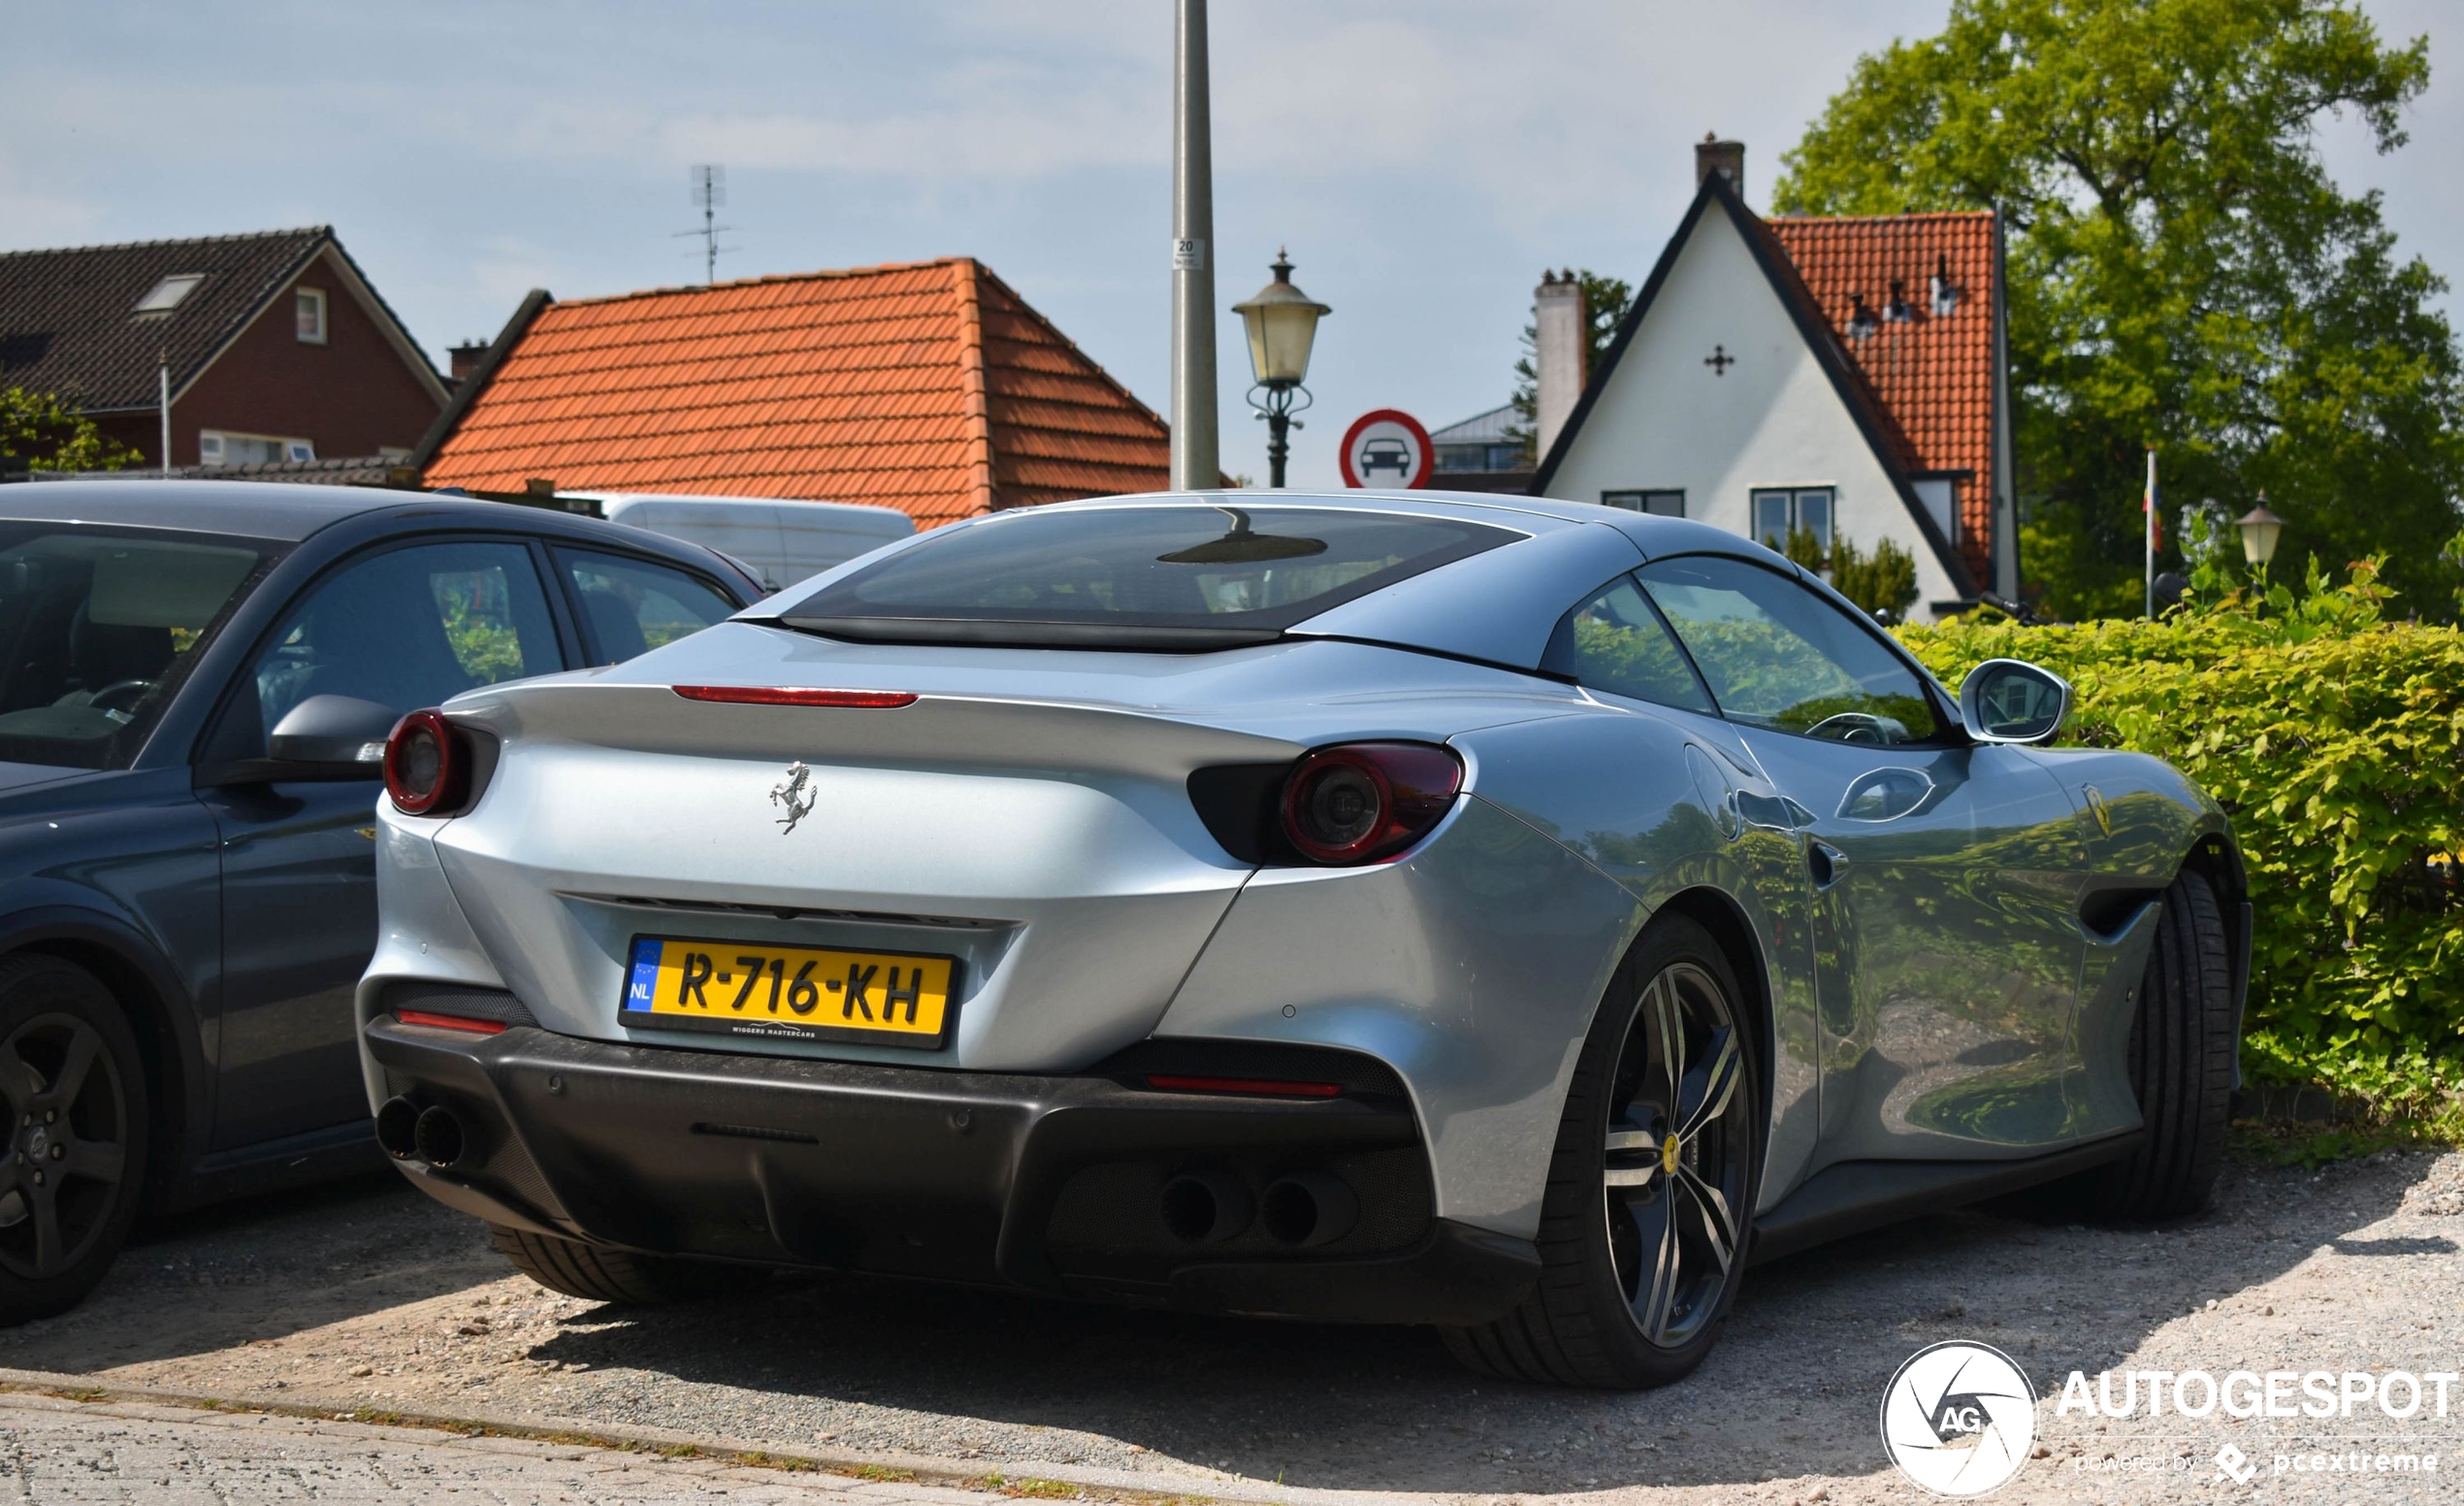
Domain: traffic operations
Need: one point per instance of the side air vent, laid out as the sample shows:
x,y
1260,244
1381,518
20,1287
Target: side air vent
x,y
2107,914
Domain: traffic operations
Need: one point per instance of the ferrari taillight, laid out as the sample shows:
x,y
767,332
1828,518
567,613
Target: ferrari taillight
x,y
427,765
1360,802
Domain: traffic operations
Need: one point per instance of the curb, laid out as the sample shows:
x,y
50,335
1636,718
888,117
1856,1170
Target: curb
x,y
1115,1487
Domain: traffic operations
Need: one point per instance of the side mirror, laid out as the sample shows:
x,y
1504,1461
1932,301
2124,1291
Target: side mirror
x,y
334,730
2013,701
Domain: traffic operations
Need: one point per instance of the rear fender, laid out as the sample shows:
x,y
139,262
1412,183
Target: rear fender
x,y
1669,804
1475,965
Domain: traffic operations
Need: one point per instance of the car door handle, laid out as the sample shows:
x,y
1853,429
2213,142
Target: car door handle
x,y
1824,861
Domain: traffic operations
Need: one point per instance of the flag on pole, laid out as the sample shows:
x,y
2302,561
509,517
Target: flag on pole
x,y
2154,529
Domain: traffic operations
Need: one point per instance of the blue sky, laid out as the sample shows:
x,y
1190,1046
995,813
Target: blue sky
x,y
1422,160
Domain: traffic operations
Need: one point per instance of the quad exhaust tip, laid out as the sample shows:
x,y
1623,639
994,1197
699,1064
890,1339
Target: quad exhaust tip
x,y
1304,1209
437,1137
1310,1208
1206,1207
396,1127
409,1133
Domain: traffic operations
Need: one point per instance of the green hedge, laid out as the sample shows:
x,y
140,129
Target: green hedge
x,y
2336,739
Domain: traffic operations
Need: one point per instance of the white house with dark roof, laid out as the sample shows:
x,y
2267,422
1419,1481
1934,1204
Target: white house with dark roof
x,y
1846,375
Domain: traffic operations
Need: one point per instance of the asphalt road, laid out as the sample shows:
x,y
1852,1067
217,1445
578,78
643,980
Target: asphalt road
x,y
367,1295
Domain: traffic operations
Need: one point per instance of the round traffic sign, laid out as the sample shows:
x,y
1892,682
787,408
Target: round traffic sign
x,y
1386,444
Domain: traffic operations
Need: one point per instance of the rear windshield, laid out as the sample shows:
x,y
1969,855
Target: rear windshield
x,y
1187,577
97,628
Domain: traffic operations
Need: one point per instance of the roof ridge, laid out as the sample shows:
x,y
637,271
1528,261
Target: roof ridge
x,y
1055,331
766,279
1777,220
139,245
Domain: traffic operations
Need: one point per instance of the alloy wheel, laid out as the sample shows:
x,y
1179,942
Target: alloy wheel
x,y
67,1147
1676,1159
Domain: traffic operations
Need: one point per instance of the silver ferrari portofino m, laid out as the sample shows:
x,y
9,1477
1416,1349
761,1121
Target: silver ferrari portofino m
x,y
1511,915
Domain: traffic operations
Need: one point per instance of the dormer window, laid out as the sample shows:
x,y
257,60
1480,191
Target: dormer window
x,y
1946,298
169,292
1861,321
308,306
1898,311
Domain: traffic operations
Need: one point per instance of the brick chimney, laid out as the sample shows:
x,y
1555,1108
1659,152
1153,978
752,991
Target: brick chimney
x,y
1559,352
465,359
1723,157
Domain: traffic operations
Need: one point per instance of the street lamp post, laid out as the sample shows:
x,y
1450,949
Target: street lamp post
x,y
1282,323
2261,529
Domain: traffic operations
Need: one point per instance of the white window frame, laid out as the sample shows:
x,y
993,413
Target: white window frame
x,y
211,446
316,296
169,293
1641,499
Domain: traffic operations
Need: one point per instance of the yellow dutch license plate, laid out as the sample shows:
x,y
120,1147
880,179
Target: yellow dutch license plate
x,y
794,993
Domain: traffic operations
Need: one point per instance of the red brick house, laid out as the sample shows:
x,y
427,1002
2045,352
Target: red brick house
x,y
278,347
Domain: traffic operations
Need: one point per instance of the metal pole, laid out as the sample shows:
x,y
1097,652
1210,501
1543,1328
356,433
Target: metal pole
x,y
162,388
1196,462
2150,530
1278,425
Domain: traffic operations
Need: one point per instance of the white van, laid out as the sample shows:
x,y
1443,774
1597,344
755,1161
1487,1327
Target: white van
x,y
783,541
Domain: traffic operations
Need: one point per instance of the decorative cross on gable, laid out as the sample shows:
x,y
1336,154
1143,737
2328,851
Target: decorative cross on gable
x,y
1719,360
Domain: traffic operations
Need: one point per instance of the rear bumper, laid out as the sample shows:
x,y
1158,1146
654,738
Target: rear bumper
x,y
1049,1183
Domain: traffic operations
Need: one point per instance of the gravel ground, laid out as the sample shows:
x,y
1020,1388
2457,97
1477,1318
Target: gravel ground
x,y
368,1295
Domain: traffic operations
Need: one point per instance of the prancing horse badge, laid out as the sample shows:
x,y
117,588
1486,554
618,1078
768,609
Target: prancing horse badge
x,y
794,792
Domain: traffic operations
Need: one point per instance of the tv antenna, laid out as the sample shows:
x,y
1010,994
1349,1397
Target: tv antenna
x,y
709,192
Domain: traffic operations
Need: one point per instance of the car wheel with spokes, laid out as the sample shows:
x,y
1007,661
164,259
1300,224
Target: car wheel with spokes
x,y
74,1089
1649,1206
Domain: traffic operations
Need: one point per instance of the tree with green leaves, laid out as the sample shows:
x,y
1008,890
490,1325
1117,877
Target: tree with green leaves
x,y
1883,583
39,432
2182,272
1605,304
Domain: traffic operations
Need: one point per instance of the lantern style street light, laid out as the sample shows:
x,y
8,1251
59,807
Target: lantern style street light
x,y
2261,529
1283,322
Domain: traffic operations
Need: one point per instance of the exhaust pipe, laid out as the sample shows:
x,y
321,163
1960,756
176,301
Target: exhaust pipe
x,y
1310,1208
396,1127
1204,1207
436,1138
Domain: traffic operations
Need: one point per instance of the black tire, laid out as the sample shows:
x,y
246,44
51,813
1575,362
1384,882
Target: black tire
x,y
73,1165
2182,1050
600,1275
1580,1326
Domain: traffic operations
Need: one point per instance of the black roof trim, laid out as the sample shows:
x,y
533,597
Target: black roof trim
x,y
425,452
1872,419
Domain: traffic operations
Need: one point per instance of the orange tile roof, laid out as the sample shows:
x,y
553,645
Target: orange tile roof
x,y
1934,376
930,387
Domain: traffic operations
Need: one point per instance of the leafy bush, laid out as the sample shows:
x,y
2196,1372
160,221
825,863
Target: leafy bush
x,y
46,433
2335,737
1883,582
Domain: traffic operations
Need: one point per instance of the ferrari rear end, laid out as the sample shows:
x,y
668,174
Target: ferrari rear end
x,y
1015,944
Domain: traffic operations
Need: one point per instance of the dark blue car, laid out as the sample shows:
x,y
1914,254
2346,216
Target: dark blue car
x,y
196,682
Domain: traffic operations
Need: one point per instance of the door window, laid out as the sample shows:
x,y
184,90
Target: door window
x,y
406,629
633,606
1617,643
1776,655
